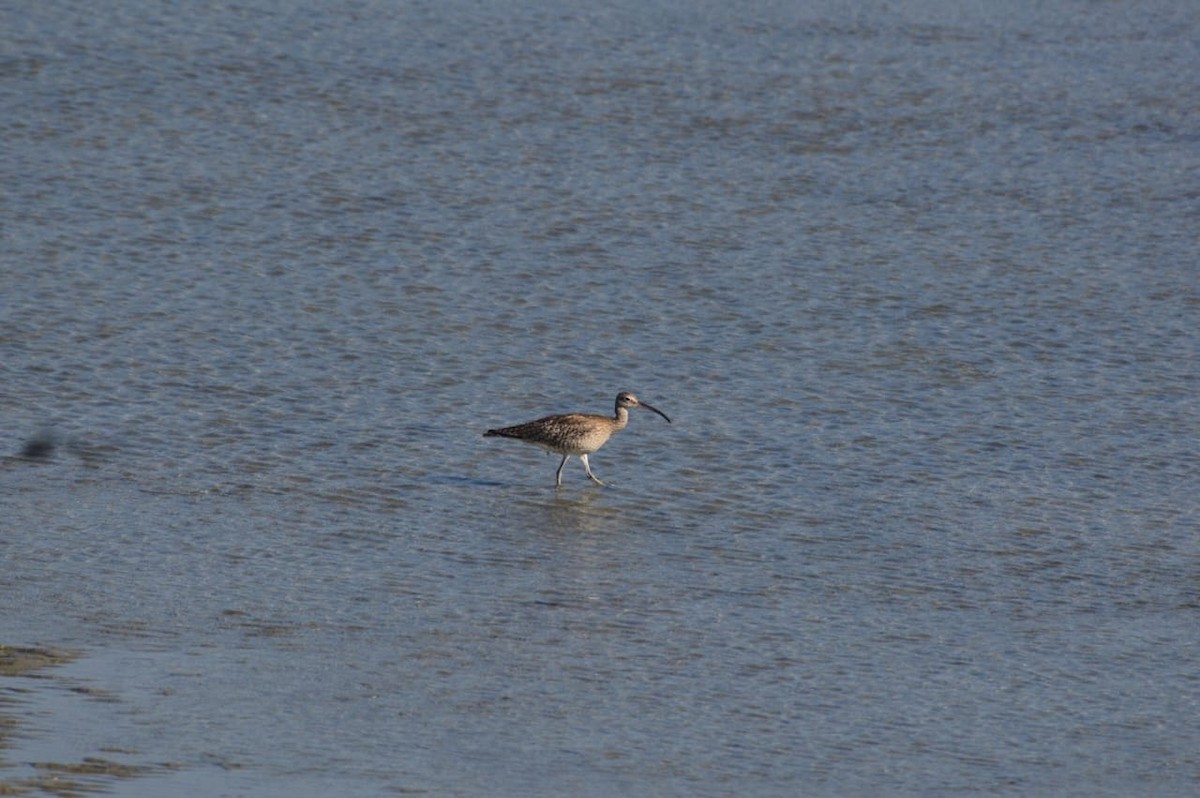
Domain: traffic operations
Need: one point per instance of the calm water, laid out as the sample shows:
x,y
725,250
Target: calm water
x,y
916,282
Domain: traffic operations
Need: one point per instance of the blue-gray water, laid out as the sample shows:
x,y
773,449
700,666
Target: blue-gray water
x,y
918,284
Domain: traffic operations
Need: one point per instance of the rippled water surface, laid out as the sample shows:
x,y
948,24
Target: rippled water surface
x,y
917,284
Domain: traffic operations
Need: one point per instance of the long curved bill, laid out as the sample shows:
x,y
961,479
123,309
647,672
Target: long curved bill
x,y
653,409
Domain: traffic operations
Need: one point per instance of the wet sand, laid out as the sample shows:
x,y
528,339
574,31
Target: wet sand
x,y
24,670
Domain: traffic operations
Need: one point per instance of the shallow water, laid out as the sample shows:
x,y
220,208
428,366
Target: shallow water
x,y
916,284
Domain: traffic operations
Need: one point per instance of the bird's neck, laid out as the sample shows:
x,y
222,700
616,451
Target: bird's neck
x,y
622,417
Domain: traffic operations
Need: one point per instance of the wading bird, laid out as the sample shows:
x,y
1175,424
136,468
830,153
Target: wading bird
x,y
577,434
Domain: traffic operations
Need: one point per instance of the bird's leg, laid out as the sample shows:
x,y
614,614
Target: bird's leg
x,y
558,473
588,469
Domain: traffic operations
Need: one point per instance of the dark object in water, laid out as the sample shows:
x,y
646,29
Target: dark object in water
x,y
38,448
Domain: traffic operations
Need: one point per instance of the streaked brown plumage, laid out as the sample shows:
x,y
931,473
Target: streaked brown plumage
x,y
577,434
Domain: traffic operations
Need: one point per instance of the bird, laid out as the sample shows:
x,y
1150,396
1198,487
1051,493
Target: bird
x,y
577,434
